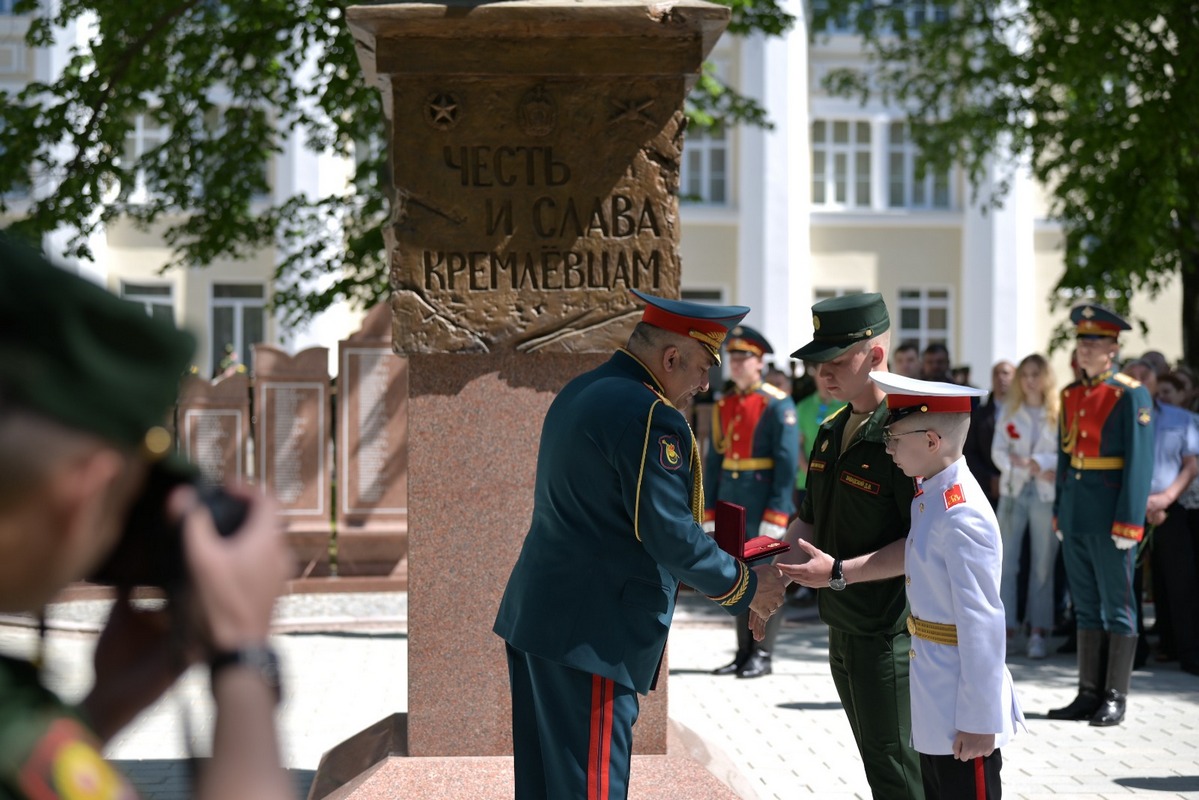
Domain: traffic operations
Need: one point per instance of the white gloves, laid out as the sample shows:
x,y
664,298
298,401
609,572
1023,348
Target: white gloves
x,y
1061,537
709,526
1124,543
771,530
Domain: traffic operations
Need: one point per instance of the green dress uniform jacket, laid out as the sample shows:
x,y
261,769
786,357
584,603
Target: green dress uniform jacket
x,y
617,503
45,749
754,456
858,501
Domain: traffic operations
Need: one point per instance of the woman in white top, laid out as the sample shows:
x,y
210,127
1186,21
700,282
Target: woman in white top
x,y
1025,451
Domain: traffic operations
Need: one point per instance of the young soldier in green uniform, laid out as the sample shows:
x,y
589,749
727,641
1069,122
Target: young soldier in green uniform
x,y
86,381
852,526
1104,472
752,460
617,511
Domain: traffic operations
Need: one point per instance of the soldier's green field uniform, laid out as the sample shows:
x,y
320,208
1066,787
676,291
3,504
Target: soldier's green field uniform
x,y
858,502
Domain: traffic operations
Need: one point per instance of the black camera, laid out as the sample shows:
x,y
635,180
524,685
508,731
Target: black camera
x,y
150,550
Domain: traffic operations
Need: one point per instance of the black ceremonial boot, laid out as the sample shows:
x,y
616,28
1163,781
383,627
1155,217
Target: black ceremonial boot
x,y
745,646
1121,650
1090,672
757,666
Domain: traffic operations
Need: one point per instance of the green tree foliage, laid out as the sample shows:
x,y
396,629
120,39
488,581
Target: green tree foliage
x,y
229,80
1100,97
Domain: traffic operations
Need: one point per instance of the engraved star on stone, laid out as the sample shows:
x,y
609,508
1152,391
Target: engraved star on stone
x,y
443,110
631,111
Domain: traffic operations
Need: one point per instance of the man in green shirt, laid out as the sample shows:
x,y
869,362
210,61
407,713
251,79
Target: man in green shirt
x,y
851,527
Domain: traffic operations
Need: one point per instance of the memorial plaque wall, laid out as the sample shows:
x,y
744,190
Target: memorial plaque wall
x,y
213,422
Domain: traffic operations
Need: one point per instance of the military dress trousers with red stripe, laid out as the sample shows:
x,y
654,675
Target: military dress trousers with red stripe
x,y
754,456
617,506
1104,470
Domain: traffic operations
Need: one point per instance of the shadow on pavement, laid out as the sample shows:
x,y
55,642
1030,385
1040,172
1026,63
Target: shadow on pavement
x,y
170,778
1170,783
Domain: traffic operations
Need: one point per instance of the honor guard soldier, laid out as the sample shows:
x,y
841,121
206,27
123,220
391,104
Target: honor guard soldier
x,y
752,460
963,703
852,525
1104,471
617,525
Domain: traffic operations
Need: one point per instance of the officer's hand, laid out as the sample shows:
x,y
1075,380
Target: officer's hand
x,y
1123,542
813,573
968,746
770,592
709,526
757,626
771,530
235,579
136,660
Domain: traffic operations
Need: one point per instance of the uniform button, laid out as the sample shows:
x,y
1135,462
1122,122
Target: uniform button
x,y
1078,476
737,437
736,474
908,580
1082,412
911,654
1083,434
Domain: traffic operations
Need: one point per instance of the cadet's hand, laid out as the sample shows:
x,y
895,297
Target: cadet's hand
x,y
235,579
769,594
1157,502
1123,542
1155,517
709,526
136,661
967,746
813,573
771,530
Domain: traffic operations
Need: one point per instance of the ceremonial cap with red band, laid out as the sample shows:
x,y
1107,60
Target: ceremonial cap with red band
x,y
1092,320
747,340
906,396
707,324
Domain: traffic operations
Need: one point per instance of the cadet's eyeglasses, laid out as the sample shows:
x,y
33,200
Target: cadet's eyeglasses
x,y
889,438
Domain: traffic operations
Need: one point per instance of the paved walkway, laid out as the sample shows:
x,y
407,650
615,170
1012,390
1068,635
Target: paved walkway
x,y
783,736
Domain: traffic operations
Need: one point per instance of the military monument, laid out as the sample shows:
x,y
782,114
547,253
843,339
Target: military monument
x,y
535,149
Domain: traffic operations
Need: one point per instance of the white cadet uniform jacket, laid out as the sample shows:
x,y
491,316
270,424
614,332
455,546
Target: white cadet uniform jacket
x,y
953,558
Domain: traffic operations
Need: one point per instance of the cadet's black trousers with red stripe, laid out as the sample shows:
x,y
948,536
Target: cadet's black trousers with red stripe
x,y
946,778
572,732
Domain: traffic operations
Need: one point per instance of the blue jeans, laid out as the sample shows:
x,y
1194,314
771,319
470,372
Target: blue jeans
x,y
1027,509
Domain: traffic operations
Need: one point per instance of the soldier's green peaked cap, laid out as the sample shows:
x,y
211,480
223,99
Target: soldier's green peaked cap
x,y
74,353
841,322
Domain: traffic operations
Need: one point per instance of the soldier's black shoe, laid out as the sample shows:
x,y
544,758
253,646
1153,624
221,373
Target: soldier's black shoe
x,y
757,666
734,666
1083,707
1111,710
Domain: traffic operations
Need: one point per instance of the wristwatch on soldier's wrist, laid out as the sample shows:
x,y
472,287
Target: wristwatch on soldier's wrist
x,y
260,659
836,581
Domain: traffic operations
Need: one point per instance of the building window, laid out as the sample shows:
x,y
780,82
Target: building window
x,y
145,135
905,189
828,293
924,315
915,12
155,298
238,322
6,6
705,175
841,163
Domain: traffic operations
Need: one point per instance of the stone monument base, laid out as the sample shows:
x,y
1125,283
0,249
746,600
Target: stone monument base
x,y
372,765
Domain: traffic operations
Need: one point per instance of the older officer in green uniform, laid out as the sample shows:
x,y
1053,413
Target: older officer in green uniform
x,y
86,381
852,525
752,461
1104,472
617,510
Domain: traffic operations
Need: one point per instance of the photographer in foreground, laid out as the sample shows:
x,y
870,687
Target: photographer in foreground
x,y
86,381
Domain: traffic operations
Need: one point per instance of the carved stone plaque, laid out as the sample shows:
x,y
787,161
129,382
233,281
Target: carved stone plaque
x,y
214,426
536,166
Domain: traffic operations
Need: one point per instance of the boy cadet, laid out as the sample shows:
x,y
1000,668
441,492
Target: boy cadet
x,y
617,524
86,380
963,704
1104,474
851,527
752,462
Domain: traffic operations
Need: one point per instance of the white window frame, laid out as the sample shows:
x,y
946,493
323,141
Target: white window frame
x,y
142,138
826,178
924,302
132,290
908,154
239,305
703,146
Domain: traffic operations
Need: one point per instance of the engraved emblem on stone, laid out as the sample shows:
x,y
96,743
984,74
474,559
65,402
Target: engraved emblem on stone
x,y
537,113
442,110
631,111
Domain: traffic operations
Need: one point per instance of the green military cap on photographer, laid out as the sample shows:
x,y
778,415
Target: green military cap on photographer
x,y
74,353
841,322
